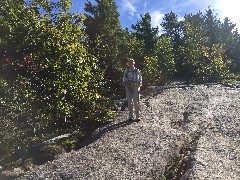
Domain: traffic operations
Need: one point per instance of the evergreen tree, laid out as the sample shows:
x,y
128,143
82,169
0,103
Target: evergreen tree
x,y
131,47
211,27
173,29
104,35
146,33
229,36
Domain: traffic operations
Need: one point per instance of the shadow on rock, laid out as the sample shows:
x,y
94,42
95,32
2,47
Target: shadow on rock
x,y
99,133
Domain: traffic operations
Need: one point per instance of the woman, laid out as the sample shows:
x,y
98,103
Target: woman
x,y
132,80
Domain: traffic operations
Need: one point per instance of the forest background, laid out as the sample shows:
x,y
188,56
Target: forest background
x,y
60,71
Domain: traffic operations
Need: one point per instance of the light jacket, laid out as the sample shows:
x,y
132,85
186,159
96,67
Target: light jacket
x,y
132,75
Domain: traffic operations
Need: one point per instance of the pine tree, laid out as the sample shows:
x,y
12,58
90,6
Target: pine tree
x,y
173,28
144,31
104,30
211,27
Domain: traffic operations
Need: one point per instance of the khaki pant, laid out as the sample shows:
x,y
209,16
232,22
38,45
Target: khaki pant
x,y
132,93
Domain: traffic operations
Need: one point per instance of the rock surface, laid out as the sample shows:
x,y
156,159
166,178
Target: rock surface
x,y
196,126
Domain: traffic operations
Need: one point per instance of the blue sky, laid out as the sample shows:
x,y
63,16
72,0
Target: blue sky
x,y
130,10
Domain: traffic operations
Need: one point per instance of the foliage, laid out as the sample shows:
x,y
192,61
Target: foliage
x,y
215,69
173,28
131,47
206,63
58,69
212,27
103,38
231,39
161,66
144,32
49,81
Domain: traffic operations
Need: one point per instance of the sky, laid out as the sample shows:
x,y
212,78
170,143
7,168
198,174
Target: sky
x,y
130,10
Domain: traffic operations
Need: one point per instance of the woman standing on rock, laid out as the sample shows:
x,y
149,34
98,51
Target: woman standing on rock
x,y
132,80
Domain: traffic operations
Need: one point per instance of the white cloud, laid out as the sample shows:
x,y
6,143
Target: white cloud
x,y
181,19
128,5
230,9
156,17
223,8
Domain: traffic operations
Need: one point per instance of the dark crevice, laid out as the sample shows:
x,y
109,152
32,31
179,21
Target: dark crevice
x,y
177,167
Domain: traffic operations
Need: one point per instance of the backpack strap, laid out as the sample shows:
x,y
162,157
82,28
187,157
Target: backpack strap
x,y
126,75
136,70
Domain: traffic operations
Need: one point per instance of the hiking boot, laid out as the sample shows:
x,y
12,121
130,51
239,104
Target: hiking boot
x,y
138,119
130,119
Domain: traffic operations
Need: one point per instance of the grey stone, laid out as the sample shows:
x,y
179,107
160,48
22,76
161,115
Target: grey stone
x,y
204,119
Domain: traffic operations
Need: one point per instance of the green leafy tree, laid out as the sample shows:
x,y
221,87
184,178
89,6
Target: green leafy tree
x,y
206,64
130,47
44,54
160,67
223,33
233,53
48,79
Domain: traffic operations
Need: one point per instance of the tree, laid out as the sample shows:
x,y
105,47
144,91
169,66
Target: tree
x,y
160,67
233,52
174,30
58,78
206,63
144,31
131,47
103,37
172,27
211,27
229,36
47,76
